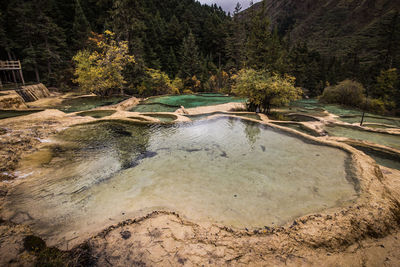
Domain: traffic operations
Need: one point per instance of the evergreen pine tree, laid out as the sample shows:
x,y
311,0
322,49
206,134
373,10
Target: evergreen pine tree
x,y
174,33
234,47
172,63
3,36
24,34
190,62
51,42
80,28
262,47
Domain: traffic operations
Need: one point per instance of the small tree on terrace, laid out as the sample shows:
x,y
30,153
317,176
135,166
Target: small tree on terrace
x,y
220,82
101,71
264,90
347,92
158,83
387,88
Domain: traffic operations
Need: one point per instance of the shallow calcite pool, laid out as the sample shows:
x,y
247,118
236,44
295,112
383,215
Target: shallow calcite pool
x,y
5,114
84,103
229,171
97,114
385,139
171,103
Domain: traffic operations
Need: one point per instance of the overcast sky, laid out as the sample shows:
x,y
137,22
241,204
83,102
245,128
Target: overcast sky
x,y
228,5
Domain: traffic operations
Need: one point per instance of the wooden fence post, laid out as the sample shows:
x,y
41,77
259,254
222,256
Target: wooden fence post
x,y
20,73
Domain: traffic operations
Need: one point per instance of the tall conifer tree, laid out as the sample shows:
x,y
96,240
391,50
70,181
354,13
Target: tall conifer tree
x,y
190,58
80,28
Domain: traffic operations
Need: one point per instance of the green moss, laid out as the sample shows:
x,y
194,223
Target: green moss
x,y
51,257
34,244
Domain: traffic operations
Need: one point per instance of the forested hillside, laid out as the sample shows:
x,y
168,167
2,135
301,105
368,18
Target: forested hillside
x,y
186,46
46,34
360,35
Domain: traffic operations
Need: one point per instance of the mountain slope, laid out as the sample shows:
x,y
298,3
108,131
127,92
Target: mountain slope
x,y
368,28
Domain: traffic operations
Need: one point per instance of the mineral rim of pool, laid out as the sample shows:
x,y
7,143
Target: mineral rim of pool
x,y
228,171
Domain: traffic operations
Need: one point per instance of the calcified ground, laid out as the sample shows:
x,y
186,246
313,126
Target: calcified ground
x,y
365,233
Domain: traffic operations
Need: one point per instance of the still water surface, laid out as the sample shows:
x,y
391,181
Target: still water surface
x,y
226,170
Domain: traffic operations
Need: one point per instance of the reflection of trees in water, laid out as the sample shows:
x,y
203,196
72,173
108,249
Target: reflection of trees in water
x,y
252,132
231,122
125,140
130,142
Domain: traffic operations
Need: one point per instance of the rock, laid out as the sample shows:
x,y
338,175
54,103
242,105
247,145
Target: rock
x,y
12,101
32,93
126,235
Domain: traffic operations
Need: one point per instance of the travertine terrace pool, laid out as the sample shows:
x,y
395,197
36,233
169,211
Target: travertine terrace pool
x,y
227,171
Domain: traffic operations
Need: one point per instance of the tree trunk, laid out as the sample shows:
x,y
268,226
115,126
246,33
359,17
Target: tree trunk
x,y
35,65
362,118
48,57
37,74
13,73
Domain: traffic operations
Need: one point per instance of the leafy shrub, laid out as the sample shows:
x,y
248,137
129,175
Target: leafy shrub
x,y
220,82
347,92
193,83
264,90
387,89
188,92
375,106
158,83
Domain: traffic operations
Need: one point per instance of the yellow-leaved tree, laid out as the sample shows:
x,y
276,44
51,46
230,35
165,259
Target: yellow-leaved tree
x,y
264,90
158,83
100,71
219,82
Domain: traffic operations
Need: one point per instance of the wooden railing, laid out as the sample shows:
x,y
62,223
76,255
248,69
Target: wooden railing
x,y
10,65
15,68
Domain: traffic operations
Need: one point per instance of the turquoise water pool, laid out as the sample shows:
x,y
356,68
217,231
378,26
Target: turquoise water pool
x,y
203,116
174,102
5,114
358,134
346,114
298,127
162,117
87,103
229,171
395,122
97,114
385,159
154,107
